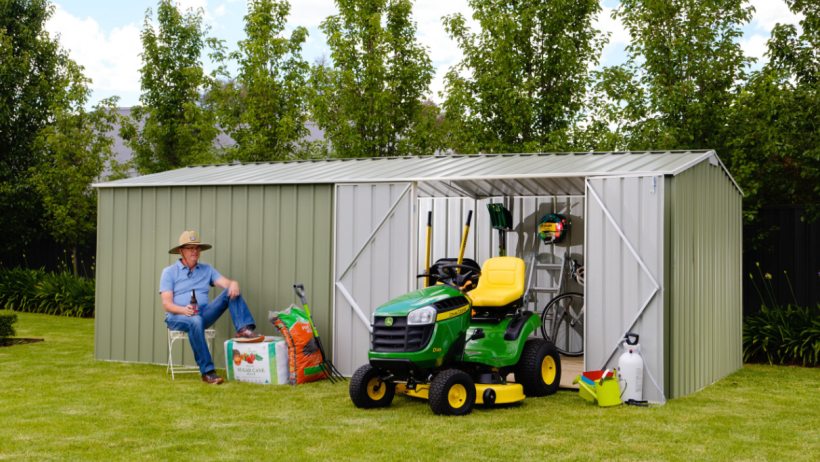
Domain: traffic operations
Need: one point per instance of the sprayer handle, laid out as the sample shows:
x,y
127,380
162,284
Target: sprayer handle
x,y
629,336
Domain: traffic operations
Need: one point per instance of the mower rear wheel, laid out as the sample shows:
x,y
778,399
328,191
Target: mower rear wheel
x,y
539,369
368,390
452,392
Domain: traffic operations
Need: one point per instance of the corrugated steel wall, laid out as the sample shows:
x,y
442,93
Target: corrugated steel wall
x,y
705,301
373,260
266,237
617,286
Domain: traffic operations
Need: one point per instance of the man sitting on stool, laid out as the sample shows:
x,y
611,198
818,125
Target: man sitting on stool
x,y
188,275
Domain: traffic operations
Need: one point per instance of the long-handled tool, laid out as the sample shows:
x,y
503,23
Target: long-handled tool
x,y
332,373
464,239
428,280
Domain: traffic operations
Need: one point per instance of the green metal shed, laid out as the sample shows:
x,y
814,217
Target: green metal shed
x,y
659,233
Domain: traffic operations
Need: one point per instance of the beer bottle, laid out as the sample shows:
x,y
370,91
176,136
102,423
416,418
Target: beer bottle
x,y
193,302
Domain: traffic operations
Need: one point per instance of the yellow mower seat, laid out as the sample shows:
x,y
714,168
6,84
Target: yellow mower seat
x,y
501,282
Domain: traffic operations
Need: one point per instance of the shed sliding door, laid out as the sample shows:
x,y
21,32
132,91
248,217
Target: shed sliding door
x,y
375,247
624,273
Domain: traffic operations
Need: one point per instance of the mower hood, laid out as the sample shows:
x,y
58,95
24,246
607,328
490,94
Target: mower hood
x,y
404,304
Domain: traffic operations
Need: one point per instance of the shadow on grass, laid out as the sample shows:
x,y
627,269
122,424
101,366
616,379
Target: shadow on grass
x,y
18,341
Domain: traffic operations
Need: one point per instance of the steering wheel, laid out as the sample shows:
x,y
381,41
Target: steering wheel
x,y
456,275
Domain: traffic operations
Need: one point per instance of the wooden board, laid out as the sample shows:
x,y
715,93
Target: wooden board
x,y
571,367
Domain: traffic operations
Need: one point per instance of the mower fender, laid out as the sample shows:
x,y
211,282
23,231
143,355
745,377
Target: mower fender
x,y
493,349
516,326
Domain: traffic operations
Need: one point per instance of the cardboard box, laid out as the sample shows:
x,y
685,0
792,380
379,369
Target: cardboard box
x,y
265,362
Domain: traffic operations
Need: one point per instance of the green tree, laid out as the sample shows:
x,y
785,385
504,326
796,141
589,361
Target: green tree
x,y
171,128
77,150
264,108
775,131
676,89
522,80
370,99
32,67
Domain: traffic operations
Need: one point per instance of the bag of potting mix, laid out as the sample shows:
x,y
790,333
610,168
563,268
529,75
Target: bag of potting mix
x,y
304,357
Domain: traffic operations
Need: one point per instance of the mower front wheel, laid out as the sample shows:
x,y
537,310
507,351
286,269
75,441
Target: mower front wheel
x,y
452,392
368,390
539,369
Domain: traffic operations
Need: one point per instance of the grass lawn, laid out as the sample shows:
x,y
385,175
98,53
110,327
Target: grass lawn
x,y
58,402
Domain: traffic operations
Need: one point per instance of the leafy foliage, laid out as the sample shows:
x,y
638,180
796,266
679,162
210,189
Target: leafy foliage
x,y
369,101
7,320
676,88
77,150
523,77
780,334
33,70
264,108
774,137
38,291
783,335
171,128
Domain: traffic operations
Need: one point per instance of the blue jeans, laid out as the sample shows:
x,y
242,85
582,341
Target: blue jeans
x,y
208,314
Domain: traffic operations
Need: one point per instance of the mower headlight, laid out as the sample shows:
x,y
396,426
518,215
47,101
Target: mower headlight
x,y
422,316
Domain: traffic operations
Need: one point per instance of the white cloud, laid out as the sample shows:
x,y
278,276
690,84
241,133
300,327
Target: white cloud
x,y
111,60
310,13
444,52
770,12
767,14
754,46
613,52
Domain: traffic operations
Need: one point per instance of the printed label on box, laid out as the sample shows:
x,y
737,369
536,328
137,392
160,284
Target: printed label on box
x,y
265,362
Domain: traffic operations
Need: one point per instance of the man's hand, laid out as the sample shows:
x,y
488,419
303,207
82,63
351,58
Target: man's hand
x,y
230,285
233,289
189,310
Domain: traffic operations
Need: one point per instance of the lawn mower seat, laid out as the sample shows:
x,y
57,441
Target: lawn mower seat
x,y
501,283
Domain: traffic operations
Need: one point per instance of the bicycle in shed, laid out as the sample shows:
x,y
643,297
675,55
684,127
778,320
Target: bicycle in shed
x,y
562,320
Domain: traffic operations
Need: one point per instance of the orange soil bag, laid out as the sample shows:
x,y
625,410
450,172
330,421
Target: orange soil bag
x,y
305,359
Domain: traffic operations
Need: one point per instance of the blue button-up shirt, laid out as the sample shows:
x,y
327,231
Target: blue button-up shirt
x,y
178,279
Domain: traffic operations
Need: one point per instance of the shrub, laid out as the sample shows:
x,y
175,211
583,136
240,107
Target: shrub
x,y
7,320
38,291
18,288
778,334
783,335
66,295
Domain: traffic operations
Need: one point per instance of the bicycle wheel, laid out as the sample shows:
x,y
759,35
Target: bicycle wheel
x,y
562,323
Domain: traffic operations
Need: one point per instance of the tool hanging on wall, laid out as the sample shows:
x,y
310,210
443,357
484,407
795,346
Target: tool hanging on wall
x,y
501,219
553,228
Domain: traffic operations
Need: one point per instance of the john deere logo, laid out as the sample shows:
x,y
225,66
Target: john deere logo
x,y
388,321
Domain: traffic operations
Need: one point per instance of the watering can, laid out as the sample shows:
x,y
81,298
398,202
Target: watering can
x,y
599,386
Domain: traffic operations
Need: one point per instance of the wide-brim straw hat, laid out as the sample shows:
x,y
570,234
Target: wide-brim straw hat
x,y
190,237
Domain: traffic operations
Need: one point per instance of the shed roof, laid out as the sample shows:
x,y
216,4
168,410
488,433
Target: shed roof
x,y
476,175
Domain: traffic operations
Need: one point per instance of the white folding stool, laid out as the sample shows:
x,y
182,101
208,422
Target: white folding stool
x,y
173,336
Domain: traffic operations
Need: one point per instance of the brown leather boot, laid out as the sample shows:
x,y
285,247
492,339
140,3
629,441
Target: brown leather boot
x,y
248,335
212,378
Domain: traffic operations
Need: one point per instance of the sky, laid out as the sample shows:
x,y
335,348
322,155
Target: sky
x,y
104,35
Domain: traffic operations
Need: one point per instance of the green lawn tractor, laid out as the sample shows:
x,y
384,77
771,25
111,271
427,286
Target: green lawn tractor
x,y
457,348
